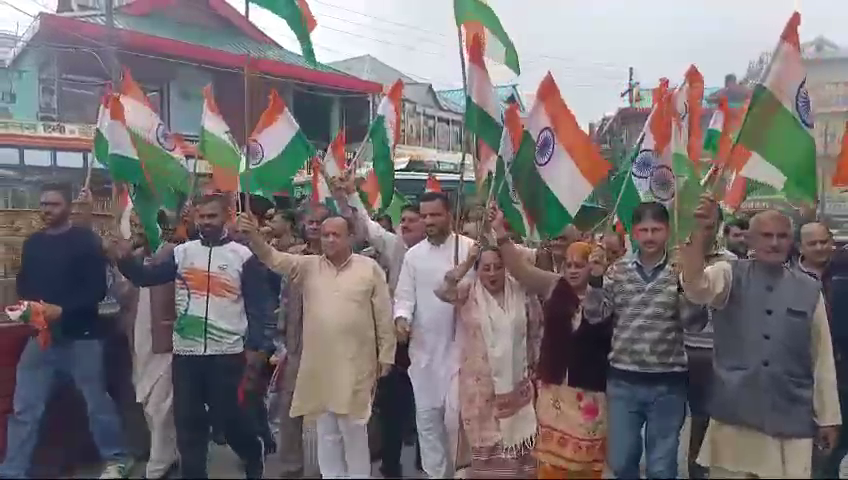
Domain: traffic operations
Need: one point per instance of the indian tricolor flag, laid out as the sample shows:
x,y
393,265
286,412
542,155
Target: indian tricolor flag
x,y
158,149
482,107
299,18
101,145
557,166
649,175
217,145
714,130
370,192
379,150
477,17
321,193
503,187
277,149
334,162
685,172
123,160
777,131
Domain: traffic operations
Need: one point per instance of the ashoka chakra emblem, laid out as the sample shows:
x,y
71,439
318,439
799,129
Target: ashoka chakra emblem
x,y
803,105
662,183
255,152
545,146
165,139
643,164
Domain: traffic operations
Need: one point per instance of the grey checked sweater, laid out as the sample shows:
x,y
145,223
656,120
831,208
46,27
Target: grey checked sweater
x,y
649,312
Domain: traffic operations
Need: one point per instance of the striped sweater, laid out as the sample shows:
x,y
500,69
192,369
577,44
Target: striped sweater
x,y
647,307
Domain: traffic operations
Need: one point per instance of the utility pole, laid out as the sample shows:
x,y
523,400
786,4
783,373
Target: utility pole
x,y
111,49
630,98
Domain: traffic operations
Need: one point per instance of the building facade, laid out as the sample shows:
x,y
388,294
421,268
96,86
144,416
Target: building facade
x,y
58,72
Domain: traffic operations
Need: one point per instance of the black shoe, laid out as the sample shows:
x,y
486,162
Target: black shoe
x,y
270,445
255,468
219,438
391,472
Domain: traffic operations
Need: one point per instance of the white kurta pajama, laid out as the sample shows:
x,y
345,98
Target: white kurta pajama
x,y
732,451
433,351
154,391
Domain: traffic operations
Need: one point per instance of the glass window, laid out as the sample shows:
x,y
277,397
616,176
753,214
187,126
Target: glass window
x,y
38,158
79,101
69,159
10,156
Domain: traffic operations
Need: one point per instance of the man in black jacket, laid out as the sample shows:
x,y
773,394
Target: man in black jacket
x,y
63,266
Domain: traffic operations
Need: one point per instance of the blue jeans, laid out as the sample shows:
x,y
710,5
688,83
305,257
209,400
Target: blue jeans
x,y
658,407
36,371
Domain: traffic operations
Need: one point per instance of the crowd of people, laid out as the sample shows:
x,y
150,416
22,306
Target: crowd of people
x,y
492,357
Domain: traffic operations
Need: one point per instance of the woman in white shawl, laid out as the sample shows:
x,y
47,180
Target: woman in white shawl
x,y
498,334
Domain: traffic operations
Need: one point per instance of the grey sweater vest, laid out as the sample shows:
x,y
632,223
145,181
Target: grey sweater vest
x,y
763,365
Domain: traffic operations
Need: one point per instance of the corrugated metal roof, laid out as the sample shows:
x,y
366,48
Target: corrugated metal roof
x,y
230,40
457,96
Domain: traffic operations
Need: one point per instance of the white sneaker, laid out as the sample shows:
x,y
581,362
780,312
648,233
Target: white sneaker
x,y
114,469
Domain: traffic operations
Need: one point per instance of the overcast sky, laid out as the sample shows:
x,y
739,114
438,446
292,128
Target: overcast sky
x,y
587,44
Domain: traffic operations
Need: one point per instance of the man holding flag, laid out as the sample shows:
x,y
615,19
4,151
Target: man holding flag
x,y
223,334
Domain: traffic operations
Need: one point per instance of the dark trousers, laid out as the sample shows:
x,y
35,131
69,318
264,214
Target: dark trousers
x,y
212,381
396,413
257,411
700,380
828,466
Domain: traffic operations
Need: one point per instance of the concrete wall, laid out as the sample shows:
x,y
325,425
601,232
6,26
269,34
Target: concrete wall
x,y
23,80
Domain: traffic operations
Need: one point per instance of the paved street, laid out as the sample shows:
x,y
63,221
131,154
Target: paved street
x,y
224,464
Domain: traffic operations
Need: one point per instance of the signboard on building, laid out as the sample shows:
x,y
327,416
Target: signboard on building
x,y
829,97
47,129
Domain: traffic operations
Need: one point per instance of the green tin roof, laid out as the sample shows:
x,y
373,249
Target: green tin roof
x,y
457,96
228,39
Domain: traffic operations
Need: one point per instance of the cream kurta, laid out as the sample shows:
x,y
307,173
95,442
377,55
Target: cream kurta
x,y
740,449
347,323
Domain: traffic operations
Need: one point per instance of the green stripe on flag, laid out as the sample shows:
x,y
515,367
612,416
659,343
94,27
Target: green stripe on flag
x,y
160,167
503,195
147,209
626,196
219,151
540,203
480,123
711,141
101,148
467,11
277,174
774,133
383,164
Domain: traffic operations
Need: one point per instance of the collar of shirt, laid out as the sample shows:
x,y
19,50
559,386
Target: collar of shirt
x,y
340,267
656,268
807,270
440,245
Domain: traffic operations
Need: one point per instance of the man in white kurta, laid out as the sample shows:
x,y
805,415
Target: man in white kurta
x,y
430,324
739,451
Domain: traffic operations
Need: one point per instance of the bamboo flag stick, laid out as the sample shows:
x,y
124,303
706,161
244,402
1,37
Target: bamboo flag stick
x,y
464,151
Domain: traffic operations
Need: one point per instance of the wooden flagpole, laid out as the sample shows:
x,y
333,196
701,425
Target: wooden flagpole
x,y
464,152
